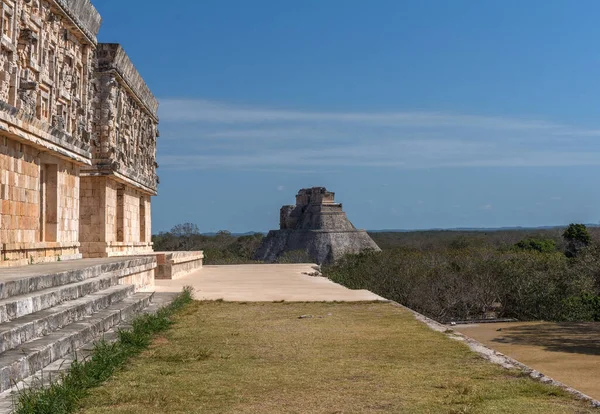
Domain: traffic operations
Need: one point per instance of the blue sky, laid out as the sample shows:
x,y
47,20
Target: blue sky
x,y
418,114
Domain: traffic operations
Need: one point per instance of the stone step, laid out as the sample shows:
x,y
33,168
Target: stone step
x,y
18,306
28,279
56,369
38,324
30,357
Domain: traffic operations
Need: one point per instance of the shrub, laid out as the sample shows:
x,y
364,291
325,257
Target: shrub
x,y
471,282
577,237
538,245
585,307
295,256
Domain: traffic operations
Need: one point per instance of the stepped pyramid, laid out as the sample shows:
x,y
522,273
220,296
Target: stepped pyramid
x,y
317,225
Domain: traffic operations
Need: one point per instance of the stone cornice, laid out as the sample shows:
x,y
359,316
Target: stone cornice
x,y
84,16
114,170
112,57
42,135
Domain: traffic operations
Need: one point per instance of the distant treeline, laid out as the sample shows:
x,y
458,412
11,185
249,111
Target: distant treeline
x,y
222,248
545,274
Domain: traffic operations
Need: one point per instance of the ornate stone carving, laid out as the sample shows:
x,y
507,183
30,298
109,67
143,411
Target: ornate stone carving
x,y
26,85
28,36
128,124
47,64
58,122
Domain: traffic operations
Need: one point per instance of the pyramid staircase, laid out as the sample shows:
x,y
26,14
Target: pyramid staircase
x,y
47,312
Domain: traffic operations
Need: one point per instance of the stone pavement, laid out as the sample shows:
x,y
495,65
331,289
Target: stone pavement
x,y
264,283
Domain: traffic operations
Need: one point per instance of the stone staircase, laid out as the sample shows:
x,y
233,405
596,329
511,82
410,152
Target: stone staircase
x,y
47,312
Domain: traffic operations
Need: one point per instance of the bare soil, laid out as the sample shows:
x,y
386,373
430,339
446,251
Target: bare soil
x,y
568,352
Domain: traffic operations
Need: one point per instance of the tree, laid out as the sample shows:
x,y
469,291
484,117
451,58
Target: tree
x,y
185,234
577,237
538,245
185,230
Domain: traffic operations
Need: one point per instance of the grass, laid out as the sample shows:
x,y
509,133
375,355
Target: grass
x,y
221,357
64,395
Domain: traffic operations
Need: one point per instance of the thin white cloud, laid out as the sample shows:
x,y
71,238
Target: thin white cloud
x,y
200,134
182,110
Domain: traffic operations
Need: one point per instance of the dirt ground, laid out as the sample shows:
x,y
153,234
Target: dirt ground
x,y
567,352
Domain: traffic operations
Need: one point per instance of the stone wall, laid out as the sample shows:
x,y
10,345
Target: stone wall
x,y
115,218
126,124
47,64
92,218
142,280
174,265
146,220
124,155
315,195
78,130
39,220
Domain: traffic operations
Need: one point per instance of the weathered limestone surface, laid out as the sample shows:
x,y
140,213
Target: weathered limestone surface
x,y
115,219
78,129
126,124
46,66
47,60
317,225
122,177
84,16
48,311
20,191
174,265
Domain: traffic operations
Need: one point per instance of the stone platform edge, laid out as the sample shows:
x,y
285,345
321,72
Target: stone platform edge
x,y
496,357
173,265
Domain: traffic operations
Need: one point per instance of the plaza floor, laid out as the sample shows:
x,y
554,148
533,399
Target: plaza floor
x,y
264,283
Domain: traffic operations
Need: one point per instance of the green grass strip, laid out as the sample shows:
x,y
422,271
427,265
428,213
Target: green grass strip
x,y
63,396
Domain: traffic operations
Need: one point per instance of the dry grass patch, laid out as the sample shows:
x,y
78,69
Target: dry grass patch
x,y
341,358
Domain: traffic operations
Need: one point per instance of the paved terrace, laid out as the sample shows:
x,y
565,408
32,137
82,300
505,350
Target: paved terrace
x,y
264,283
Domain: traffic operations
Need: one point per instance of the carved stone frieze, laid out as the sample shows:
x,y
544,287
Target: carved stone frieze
x,y
127,124
46,62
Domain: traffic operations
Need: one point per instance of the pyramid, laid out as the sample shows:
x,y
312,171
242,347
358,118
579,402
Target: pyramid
x,y
316,225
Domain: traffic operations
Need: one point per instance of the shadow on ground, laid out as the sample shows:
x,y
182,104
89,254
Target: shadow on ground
x,y
580,338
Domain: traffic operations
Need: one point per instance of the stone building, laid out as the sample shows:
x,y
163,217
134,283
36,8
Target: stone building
x,y
116,188
317,225
75,118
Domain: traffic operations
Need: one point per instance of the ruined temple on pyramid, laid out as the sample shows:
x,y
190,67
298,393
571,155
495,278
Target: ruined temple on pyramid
x,y
78,130
316,225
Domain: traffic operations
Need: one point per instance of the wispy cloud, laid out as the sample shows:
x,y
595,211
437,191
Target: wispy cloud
x,y
205,134
207,111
